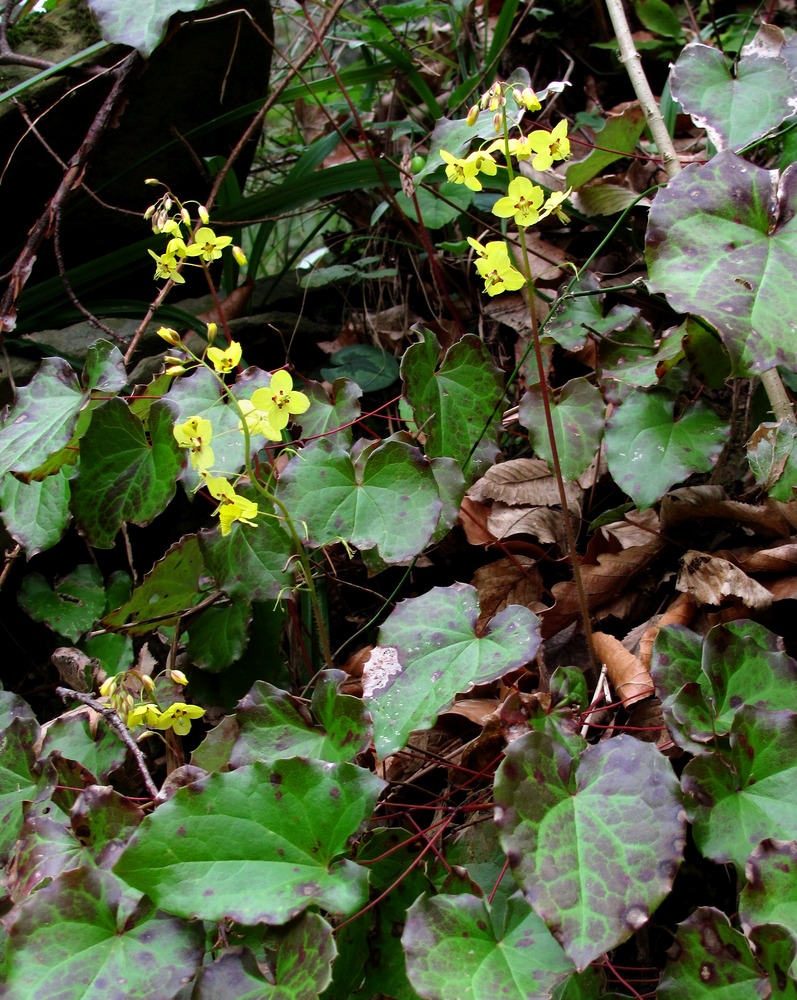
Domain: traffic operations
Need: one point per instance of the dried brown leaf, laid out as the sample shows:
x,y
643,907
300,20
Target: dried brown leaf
x,y
504,582
526,481
710,580
542,523
473,517
686,504
680,612
603,581
630,678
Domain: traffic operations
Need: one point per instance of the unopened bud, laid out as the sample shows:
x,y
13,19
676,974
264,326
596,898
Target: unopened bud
x,y
239,255
178,677
530,99
204,217
185,215
108,686
212,331
147,682
170,336
152,181
518,96
498,121
149,212
473,114
175,370
167,203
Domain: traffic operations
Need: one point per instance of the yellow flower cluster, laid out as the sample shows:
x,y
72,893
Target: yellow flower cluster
x,y
177,716
525,202
266,414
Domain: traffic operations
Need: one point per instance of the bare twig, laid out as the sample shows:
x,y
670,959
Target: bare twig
x,y
118,727
11,558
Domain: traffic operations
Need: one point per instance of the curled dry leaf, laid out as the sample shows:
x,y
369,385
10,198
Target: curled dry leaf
x,y
629,677
710,580
680,612
473,517
684,505
525,500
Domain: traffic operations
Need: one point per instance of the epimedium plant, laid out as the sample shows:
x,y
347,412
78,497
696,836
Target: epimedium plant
x,y
278,840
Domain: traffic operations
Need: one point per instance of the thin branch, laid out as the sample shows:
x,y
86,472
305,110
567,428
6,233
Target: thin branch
x,y
118,727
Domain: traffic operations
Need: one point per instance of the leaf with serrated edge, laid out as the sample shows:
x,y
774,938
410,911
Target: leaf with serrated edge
x,y
441,656
103,934
648,450
513,957
577,417
36,514
594,840
722,243
278,831
385,499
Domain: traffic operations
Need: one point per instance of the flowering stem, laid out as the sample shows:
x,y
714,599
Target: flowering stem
x,y
567,517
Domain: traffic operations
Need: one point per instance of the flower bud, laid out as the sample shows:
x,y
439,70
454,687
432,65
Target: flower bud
x,y
147,682
473,114
202,212
185,215
149,212
171,337
175,369
212,331
498,121
167,203
517,96
108,686
530,99
178,677
239,255
152,181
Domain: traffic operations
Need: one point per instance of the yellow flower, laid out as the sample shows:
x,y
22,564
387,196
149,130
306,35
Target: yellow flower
x,y
257,421
225,361
217,486
483,162
549,146
195,434
144,715
168,264
207,244
553,205
280,400
522,202
460,171
498,271
236,509
178,717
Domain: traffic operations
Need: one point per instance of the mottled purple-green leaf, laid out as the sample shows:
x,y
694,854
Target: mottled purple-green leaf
x,y
273,725
384,498
710,960
735,103
737,798
35,514
775,948
88,936
104,368
72,608
455,400
252,562
772,457
577,416
166,592
302,967
44,849
141,24
574,317
441,656
220,635
256,845
722,244
103,821
594,840
770,895
42,419
330,414
648,450
125,472
96,746
703,683
456,950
